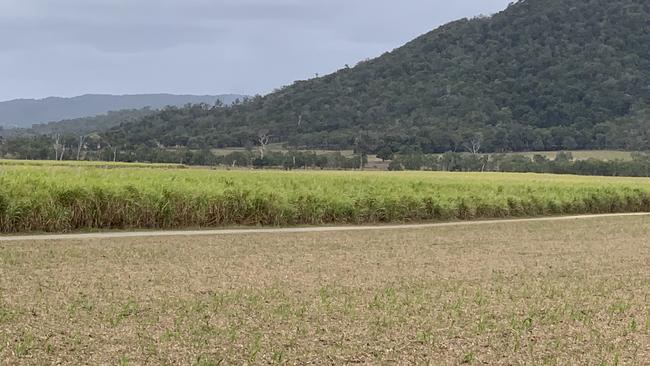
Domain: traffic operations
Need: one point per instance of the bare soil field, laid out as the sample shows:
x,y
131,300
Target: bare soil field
x,y
528,293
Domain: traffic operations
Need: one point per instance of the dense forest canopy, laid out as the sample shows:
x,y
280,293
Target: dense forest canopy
x,y
541,75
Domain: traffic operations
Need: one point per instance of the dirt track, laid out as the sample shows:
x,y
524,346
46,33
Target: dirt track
x,y
135,234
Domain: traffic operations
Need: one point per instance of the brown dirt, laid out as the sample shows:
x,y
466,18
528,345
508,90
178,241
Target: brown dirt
x,y
567,292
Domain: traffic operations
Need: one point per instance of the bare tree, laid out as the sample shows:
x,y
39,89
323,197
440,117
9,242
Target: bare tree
x,y
484,161
57,145
263,139
474,144
358,149
113,149
82,140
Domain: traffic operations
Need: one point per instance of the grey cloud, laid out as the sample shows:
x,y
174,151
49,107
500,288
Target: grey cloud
x,y
126,26
66,47
127,37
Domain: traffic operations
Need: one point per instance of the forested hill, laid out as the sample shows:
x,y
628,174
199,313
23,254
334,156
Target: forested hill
x,y
25,112
81,126
540,75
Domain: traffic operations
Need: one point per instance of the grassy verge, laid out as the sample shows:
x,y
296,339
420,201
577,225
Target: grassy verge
x,y
87,164
554,293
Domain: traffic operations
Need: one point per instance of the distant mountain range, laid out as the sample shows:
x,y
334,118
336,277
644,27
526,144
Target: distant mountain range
x,y
26,112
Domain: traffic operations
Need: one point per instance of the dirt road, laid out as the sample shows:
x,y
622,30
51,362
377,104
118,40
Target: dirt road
x,y
324,229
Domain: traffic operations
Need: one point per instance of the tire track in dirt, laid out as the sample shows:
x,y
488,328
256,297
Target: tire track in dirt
x,y
297,230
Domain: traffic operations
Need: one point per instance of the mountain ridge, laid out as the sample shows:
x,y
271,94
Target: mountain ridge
x,y
540,75
24,112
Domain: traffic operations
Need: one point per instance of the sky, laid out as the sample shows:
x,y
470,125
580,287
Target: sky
x,y
74,47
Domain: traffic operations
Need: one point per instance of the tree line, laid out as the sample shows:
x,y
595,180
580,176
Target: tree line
x,y
564,163
91,147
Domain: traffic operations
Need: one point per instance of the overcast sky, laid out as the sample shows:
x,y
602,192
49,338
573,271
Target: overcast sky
x,y
73,47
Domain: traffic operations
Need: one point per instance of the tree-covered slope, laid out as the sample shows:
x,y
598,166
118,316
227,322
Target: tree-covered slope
x,y
81,126
541,75
23,113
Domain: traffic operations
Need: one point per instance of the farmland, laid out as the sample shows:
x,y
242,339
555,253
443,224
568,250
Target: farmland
x,y
577,154
556,293
87,164
72,198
